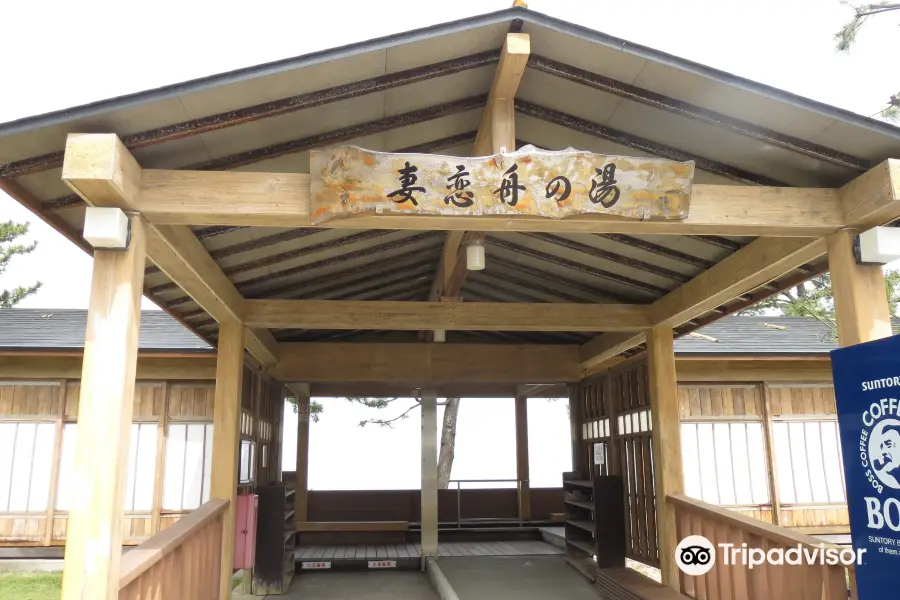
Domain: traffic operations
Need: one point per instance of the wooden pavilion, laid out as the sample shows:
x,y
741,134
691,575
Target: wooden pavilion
x,y
216,179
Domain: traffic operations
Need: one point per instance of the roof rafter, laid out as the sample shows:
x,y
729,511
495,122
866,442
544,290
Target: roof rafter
x,y
265,110
303,144
697,113
640,143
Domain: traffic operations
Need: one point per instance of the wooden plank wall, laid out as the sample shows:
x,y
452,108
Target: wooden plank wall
x,y
767,404
610,408
614,411
160,402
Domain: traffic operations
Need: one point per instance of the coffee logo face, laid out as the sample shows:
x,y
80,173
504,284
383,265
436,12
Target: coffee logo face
x,y
884,450
879,444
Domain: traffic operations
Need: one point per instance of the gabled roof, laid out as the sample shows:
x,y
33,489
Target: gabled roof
x,y
63,329
424,91
762,335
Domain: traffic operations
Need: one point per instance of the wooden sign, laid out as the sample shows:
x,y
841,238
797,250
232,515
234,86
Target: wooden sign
x,y
347,181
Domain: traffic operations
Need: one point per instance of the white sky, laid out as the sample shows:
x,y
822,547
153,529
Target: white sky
x,y
60,53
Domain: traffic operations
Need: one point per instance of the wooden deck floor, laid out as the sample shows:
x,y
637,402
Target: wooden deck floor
x,y
395,551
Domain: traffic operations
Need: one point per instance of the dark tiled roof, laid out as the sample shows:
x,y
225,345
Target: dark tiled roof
x,y
29,328
761,335
37,328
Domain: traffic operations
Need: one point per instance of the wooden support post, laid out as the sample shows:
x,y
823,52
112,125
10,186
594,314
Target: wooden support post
x,y
226,436
522,467
668,472
429,474
94,538
771,468
575,430
860,296
301,485
162,437
57,457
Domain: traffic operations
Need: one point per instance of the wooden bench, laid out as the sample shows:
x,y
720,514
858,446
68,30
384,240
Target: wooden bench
x,y
344,526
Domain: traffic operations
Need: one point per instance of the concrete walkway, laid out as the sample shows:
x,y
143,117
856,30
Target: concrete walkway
x,y
361,585
514,578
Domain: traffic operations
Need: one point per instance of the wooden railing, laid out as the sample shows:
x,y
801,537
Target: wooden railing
x,y
179,562
772,582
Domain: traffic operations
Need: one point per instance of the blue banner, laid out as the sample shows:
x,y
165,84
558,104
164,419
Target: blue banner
x,y
867,389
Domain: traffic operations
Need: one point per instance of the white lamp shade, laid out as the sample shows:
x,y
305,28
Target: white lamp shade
x,y
106,227
475,256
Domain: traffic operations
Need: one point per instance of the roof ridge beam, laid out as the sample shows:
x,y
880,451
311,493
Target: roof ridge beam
x,y
496,132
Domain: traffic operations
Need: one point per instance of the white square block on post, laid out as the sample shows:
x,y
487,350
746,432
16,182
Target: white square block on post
x,y
879,245
106,228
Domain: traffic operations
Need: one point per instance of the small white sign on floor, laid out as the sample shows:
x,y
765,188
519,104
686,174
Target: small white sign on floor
x,y
316,565
382,564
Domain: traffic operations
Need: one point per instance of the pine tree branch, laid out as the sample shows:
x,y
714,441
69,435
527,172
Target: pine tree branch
x,y
389,423
847,34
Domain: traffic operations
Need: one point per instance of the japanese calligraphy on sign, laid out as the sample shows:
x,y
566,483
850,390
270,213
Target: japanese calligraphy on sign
x,y
347,181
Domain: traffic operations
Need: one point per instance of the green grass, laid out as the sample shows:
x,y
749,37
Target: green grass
x,y
38,586
30,586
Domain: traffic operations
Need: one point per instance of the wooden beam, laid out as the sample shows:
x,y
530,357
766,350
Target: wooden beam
x,y
522,466
323,362
765,398
607,346
860,295
48,366
94,538
429,492
301,471
497,131
513,60
352,526
873,198
785,369
757,263
347,314
283,200
226,435
100,169
447,264
668,472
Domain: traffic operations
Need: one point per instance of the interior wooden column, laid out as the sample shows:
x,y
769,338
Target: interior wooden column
x,y
668,472
860,296
575,431
226,436
429,474
301,485
522,468
94,537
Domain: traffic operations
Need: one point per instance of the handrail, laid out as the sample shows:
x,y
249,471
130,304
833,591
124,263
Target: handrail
x,y
726,516
519,483
736,580
142,558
